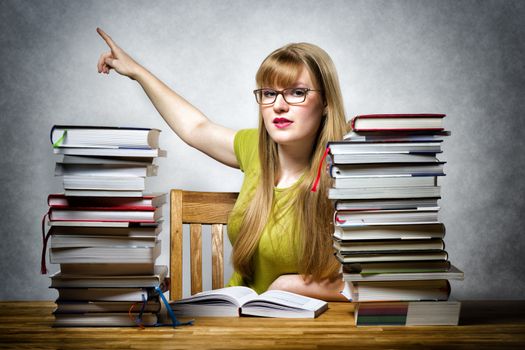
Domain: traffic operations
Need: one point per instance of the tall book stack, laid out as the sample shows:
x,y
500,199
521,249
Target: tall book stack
x,y
387,234
104,228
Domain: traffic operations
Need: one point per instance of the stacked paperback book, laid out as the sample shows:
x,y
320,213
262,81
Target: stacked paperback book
x,y
387,234
103,230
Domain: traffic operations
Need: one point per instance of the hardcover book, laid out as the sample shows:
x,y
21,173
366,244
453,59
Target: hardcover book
x,y
451,274
412,313
104,137
372,291
398,122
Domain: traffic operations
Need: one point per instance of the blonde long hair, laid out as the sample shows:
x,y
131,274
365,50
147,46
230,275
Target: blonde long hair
x,y
314,212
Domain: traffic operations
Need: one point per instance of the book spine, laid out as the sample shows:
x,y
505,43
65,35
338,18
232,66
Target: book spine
x,y
116,208
51,134
352,122
399,129
401,115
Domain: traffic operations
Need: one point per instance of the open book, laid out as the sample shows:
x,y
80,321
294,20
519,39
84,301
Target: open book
x,y
236,301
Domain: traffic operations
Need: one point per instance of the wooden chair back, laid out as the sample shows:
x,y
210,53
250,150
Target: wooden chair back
x,y
197,209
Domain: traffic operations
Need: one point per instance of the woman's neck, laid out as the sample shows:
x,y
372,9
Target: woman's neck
x,y
293,161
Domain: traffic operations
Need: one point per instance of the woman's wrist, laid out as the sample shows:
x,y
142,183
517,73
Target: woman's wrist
x,y
139,74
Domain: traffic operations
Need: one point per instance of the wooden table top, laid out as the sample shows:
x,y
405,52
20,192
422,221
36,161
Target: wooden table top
x,y
483,324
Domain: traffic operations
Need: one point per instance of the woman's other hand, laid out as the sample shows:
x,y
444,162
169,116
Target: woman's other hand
x,y
116,59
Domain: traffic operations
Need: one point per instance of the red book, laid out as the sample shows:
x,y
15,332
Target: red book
x,y
147,202
398,122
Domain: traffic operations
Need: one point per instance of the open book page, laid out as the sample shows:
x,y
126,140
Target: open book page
x,y
236,295
277,303
284,300
223,302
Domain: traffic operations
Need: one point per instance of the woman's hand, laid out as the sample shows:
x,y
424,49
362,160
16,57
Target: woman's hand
x,y
328,290
116,59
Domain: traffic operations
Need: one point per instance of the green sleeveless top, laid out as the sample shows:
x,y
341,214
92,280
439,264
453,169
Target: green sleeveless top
x,y
276,254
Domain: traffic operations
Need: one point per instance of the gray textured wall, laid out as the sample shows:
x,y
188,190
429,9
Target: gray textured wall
x,y
463,58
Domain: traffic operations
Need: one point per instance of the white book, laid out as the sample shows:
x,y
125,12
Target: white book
x,y
364,158
365,291
387,204
106,294
106,255
394,136
80,241
64,280
109,170
385,192
380,232
384,147
453,274
391,257
108,269
387,169
236,301
112,152
382,245
384,181
104,137
111,183
57,214
366,217
102,193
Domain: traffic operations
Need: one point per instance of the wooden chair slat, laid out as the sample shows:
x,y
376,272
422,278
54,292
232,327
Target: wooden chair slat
x,y
217,248
176,245
196,258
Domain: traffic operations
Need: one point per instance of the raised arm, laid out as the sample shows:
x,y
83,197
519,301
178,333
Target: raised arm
x,y
190,124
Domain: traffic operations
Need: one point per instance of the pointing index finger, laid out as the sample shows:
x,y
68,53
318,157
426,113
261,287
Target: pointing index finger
x,y
107,39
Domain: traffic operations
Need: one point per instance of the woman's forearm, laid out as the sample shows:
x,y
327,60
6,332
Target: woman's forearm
x,y
328,290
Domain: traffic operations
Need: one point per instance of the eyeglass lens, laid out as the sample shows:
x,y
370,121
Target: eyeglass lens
x,y
292,95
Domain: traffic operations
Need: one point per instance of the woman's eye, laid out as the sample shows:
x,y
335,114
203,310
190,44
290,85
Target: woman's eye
x,y
298,92
268,93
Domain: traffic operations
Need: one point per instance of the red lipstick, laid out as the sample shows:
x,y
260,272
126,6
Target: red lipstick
x,y
282,122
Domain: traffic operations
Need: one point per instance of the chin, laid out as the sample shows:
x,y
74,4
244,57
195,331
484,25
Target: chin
x,y
286,138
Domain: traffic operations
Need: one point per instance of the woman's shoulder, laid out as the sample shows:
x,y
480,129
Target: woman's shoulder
x,y
247,136
246,147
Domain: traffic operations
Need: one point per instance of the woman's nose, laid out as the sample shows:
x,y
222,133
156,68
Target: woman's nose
x,y
280,103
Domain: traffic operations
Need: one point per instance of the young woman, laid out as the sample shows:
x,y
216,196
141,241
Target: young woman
x,y
280,229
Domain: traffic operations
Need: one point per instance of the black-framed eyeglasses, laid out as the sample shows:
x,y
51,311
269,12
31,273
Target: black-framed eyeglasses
x,y
292,96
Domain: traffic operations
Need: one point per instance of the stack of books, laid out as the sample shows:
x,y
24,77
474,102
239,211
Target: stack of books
x,y
104,228
387,233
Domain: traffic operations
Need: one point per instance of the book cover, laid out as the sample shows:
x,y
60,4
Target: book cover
x,y
398,122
